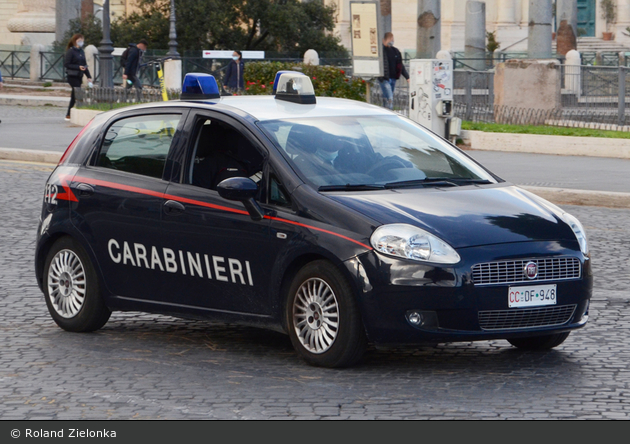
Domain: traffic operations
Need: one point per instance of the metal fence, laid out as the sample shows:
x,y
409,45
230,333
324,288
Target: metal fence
x,y
590,97
15,64
109,98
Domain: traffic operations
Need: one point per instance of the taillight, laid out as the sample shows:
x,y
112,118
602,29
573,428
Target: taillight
x,y
66,154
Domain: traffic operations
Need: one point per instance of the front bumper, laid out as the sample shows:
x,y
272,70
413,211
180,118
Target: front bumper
x,y
454,308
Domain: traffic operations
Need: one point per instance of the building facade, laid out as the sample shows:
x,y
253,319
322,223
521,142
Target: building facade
x,y
509,18
28,22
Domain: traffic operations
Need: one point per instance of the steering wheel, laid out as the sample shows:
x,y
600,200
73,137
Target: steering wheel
x,y
385,164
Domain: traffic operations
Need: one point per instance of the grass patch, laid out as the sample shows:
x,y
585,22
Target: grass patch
x,y
544,130
47,84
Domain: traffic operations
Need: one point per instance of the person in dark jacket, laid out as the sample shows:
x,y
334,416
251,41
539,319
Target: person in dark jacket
x,y
76,67
132,66
393,68
233,81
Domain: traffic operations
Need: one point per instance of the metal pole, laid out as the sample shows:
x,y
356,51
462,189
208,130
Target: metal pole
x,y
172,34
468,95
106,60
622,96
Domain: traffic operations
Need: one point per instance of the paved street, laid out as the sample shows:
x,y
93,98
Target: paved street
x,y
156,367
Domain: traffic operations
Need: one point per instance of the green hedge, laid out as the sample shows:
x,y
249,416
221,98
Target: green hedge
x,y
328,81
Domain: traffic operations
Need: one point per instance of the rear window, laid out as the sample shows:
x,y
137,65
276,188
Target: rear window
x,y
139,145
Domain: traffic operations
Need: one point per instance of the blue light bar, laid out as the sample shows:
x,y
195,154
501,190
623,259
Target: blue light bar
x,y
199,86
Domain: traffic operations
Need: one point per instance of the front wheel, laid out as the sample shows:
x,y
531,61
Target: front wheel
x,y
71,288
323,318
540,342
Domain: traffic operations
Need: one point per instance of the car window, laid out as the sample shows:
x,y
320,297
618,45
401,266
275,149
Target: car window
x,y
139,145
220,152
368,150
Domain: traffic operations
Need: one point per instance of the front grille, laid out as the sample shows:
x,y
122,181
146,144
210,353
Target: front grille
x,y
510,272
525,317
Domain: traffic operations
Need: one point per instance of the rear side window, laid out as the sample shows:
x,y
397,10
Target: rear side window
x,y
139,145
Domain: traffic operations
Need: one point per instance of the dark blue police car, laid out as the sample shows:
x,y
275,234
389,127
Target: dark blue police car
x,y
334,221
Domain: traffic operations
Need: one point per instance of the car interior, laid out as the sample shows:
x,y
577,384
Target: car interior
x,y
222,152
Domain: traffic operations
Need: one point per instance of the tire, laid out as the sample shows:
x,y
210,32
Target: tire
x,y
539,342
323,318
71,288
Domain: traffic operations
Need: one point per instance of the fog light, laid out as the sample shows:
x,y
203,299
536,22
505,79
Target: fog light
x,y
414,318
426,320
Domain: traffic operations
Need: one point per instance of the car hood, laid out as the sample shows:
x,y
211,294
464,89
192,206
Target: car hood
x,y
464,216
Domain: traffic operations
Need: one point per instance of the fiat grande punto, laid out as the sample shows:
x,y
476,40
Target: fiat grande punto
x,y
339,223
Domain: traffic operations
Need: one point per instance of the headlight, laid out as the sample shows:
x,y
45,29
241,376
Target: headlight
x,y
578,229
409,242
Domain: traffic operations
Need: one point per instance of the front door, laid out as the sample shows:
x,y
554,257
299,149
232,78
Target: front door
x,y
224,258
586,18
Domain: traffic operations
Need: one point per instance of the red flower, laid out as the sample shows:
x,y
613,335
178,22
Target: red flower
x,y
271,83
262,86
342,71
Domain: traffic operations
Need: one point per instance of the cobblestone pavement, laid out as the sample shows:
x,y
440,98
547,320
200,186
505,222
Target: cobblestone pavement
x,y
156,367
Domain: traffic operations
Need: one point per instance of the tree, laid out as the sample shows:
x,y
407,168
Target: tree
x,y
90,27
271,25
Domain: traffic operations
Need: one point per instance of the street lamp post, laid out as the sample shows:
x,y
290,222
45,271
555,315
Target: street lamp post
x,y
172,34
105,50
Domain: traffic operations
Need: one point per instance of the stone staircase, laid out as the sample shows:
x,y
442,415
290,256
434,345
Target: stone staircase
x,y
594,44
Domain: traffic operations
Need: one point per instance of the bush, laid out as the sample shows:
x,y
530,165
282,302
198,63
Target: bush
x,y
328,81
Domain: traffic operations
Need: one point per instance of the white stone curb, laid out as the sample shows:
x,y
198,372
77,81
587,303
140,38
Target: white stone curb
x,y
541,144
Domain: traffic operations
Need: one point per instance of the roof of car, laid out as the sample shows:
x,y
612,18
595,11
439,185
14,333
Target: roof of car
x,y
267,107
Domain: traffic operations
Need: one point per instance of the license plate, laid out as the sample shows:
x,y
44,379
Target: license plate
x,y
532,296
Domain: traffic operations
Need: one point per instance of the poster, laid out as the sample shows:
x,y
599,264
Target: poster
x,y
364,29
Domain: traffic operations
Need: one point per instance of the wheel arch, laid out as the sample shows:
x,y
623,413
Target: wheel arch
x,y
296,265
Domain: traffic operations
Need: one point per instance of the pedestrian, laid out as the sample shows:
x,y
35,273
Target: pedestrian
x,y
393,68
76,67
132,64
233,81
1,84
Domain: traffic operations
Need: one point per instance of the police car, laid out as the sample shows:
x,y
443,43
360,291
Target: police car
x,y
339,223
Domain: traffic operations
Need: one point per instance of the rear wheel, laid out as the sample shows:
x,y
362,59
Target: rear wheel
x,y
71,288
540,342
323,318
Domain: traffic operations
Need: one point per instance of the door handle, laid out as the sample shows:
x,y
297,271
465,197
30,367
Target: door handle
x,y
173,207
85,189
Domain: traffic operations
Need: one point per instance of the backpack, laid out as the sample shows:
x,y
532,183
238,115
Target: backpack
x,y
123,58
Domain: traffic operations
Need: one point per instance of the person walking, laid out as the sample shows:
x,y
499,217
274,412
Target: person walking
x,y
393,68
234,74
76,67
132,65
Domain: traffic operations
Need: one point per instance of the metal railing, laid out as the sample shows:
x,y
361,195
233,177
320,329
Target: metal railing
x,y
51,66
109,98
15,64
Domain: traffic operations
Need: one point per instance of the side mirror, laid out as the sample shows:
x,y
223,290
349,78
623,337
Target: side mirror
x,y
242,189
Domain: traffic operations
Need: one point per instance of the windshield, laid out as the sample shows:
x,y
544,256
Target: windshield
x,y
369,152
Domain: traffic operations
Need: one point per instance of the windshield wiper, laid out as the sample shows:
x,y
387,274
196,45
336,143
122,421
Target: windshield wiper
x,y
437,181
350,187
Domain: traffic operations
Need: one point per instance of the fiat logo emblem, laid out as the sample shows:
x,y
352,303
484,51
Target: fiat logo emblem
x,y
531,270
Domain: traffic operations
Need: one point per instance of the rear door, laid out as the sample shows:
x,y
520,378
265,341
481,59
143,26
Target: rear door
x,y
120,196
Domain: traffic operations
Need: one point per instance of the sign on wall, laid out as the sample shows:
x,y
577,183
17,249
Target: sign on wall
x,y
365,27
228,54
